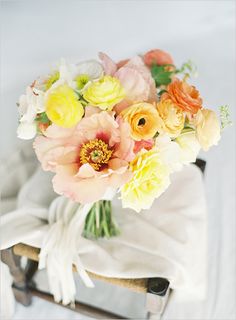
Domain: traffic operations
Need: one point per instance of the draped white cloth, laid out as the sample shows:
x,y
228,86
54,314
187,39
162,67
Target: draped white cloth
x,y
167,241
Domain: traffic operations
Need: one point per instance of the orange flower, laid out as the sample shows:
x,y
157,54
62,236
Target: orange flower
x,y
143,120
157,56
185,96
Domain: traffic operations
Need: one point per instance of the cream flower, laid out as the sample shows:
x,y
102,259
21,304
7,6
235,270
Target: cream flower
x,y
30,104
92,68
69,72
150,179
172,116
170,152
207,128
189,146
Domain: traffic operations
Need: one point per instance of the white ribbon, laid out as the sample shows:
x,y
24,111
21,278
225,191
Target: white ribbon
x,y
59,250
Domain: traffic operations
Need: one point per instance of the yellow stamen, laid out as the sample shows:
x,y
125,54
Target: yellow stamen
x,y
95,152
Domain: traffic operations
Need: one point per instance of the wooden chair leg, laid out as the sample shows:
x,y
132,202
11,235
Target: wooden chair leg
x,y
19,286
157,297
30,270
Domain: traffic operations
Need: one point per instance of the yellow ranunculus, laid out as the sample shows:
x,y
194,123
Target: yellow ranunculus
x,y
207,128
172,116
150,179
104,93
143,119
63,107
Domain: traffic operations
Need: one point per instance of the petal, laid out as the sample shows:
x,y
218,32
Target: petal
x,y
86,171
27,130
91,67
109,65
136,88
80,190
116,164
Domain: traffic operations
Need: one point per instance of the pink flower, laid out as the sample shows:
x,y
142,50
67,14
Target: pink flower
x,y
109,65
89,159
157,56
134,76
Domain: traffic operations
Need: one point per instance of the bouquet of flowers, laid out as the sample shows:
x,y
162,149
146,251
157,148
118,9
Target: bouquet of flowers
x,y
104,127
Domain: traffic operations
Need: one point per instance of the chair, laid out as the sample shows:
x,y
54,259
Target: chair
x,y
156,289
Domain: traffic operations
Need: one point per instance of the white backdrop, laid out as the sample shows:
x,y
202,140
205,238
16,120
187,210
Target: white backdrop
x,y
36,34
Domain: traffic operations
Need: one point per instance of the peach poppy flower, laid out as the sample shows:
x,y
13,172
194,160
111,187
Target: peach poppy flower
x,y
90,159
185,96
157,56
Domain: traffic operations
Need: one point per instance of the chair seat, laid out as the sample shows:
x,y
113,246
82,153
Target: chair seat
x,y
137,285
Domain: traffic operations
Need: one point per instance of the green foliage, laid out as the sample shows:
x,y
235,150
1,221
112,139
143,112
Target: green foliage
x,y
161,75
42,118
225,117
188,69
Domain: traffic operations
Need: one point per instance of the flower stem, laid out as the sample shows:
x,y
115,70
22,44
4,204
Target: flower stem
x,y
99,222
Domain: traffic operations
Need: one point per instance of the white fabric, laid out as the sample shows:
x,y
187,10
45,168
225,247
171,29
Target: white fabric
x,y
60,250
167,241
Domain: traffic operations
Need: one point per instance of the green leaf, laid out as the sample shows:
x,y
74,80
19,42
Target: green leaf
x,y
161,75
43,118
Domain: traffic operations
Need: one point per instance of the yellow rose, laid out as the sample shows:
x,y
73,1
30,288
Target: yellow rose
x,y
63,107
173,118
207,128
150,179
104,93
143,119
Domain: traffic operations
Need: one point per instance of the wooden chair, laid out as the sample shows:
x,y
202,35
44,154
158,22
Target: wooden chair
x,y
156,289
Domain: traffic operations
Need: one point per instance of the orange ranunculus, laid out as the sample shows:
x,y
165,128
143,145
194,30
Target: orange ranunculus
x,y
143,119
185,96
157,56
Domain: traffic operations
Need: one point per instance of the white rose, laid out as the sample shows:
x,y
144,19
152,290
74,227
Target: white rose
x,y
189,146
207,128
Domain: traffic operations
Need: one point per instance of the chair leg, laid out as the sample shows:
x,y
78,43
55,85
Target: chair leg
x,y
19,286
30,270
157,297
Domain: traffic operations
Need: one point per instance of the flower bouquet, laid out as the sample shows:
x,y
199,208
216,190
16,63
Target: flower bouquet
x,y
104,127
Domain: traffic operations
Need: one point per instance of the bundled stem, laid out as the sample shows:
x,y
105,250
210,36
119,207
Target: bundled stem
x,y
99,222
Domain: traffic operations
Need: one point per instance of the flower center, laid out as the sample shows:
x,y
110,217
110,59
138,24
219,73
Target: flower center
x,y
95,152
141,122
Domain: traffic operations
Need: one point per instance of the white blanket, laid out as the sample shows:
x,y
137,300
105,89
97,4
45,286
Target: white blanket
x,y
167,241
